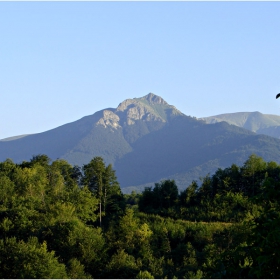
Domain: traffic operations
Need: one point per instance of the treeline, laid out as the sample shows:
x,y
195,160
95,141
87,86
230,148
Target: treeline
x,y
63,221
226,196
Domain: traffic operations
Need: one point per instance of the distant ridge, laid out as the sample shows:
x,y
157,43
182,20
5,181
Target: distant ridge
x,y
14,137
255,121
148,140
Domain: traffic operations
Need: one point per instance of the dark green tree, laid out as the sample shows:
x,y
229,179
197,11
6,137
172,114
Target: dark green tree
x,y
40,159
161,199
265,238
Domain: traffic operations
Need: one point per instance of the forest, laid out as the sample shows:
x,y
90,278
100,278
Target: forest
x,y
64,221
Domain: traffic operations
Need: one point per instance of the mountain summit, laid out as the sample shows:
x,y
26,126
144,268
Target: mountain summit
x,y
149,107
146,140
108,133
153,99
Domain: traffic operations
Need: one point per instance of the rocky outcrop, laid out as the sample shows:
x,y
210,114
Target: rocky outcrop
x,y
125,104
109,119
144,109
138,112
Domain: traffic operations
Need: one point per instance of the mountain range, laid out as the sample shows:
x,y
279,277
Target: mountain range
x,y
254,121
148,140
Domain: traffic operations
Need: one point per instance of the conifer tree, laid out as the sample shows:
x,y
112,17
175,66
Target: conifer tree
x,y
102,182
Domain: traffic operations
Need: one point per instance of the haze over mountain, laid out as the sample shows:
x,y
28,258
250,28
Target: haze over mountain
x,y
254,121
146,140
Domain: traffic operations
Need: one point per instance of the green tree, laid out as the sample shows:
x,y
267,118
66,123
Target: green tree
x,y
166,193
122,266
253,172
161,199
75,270
113,199
19,259
144,275
94,179
7,167
41,159
73,239
102,182
264,242
71,175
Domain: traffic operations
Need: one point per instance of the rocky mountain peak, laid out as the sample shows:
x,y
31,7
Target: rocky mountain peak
x,y
151,98
150,107
154,99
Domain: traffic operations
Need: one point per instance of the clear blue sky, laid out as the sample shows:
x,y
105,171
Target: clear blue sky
x,y
60,61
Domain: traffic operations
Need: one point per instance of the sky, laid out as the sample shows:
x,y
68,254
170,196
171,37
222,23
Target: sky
x,y
61,61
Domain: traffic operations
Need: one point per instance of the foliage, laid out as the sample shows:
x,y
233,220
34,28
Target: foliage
x,y
102,182
29,259
161,199
228,227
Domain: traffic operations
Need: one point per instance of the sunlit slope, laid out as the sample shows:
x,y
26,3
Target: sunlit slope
x,y
254,121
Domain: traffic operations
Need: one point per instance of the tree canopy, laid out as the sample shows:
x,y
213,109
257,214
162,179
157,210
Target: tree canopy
x,y
226,226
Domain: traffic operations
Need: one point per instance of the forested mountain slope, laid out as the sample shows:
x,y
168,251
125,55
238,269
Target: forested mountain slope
x,y
146,140
197,149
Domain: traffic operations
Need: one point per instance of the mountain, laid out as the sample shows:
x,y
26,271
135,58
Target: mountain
x,y
254,121
146,140
107,133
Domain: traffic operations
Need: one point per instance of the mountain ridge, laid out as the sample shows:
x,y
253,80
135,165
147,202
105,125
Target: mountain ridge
x,y
255,121
146,140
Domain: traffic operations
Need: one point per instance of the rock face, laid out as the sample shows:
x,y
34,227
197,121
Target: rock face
x,y
109,119
136,109
133,111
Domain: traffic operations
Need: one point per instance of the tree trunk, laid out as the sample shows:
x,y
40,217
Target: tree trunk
x,y
100,212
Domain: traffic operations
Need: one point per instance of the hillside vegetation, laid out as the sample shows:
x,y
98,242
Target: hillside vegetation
x,y
63,221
